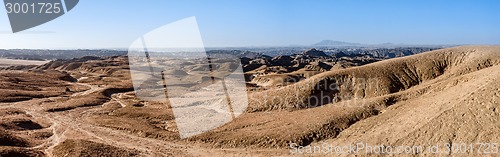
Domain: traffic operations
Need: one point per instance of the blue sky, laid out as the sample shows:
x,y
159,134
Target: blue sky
x,y
117,23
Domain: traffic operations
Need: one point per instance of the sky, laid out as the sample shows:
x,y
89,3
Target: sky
x,y
94,24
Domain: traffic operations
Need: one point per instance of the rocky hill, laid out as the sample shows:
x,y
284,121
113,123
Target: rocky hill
x,y
87,106
444,96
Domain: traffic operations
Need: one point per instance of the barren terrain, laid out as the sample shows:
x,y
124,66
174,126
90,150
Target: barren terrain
x,y
10,62
88,107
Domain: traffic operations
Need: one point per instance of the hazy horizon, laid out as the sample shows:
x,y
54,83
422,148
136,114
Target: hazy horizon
x,y
260,23
263,47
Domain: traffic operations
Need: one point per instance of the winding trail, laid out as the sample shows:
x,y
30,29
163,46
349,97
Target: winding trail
x,y
116,97
72,124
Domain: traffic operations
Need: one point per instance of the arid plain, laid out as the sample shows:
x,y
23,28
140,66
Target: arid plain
x,y
87,106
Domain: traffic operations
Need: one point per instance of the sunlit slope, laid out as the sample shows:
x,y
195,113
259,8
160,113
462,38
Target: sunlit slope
x,y
378,79
435,89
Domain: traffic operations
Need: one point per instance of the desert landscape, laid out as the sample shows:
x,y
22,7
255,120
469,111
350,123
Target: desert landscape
x,y
87,106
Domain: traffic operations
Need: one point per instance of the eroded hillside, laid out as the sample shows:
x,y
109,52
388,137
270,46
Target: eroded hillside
x,y
87,106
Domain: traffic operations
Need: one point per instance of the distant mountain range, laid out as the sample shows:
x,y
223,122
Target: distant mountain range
x,y
334,43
